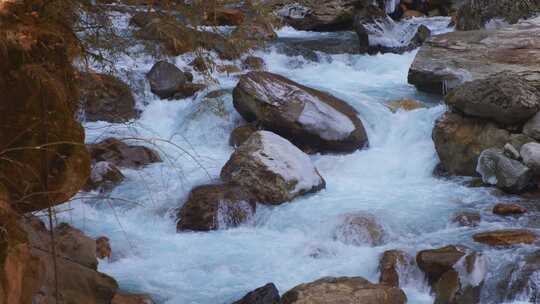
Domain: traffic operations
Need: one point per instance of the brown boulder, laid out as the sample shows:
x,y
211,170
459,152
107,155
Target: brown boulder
x,y
460,140
435,262
253,63
311,119
121,154
106,98
212,207
504,97
344,290
508,209
127,298
103,248
267,294
254,31
273,169
506,237
392,261
224,16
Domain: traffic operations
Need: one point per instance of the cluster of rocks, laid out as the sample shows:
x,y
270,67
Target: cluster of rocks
x,y
269,165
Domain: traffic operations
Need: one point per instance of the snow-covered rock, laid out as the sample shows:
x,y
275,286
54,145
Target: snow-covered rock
x,y
311,119
272,168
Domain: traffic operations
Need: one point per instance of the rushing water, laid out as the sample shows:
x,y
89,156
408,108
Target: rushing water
x,y
292,243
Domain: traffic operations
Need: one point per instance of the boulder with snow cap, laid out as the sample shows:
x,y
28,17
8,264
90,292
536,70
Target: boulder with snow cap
x,y
272,168
313,120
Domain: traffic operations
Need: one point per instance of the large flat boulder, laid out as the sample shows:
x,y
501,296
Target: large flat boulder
x,y
313,120
448,60
313,15
344,290
272,168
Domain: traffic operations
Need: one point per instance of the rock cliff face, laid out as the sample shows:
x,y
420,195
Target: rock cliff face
x,y
448,60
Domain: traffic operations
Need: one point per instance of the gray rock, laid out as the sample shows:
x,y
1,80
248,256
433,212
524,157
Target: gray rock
x,y
522,279
503,97
313,120
459,141
532,127
165,79
448,60
511,152
507,174
272,168
476,14
518,140
531,156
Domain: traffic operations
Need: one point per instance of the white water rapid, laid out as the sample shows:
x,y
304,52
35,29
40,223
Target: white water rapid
x,y
293,243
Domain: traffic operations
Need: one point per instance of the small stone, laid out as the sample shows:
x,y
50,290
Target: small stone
x,y
467,219
508,209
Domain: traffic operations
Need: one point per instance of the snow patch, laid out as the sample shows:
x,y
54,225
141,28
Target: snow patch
x,y
319,118
286,160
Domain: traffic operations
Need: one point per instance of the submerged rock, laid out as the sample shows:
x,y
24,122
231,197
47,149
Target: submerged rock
x,y
459,141
104,177
467,219
379,33
404,104
360,229
344,290
390,265
476,14
506,237
121,154
272,168
507,174
106,98
448,60
311,119
212,207
267,294
504,97
508,209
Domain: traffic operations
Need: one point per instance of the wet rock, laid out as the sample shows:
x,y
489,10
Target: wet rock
x,y
212,207
473,15
255,29
103,248
213,103
228,69
253,63
467,219
508,209
344,290
104,177
240,134
106,98
435,262
360,229
530,153
332,15
463,284
221,16
506,237
390,265
75,245
507,174
127,298
311,119
503,97
448,60
272,168
373,28
522,280
518,140
165,79
121,154
532,126
267,294
404,104
460,140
